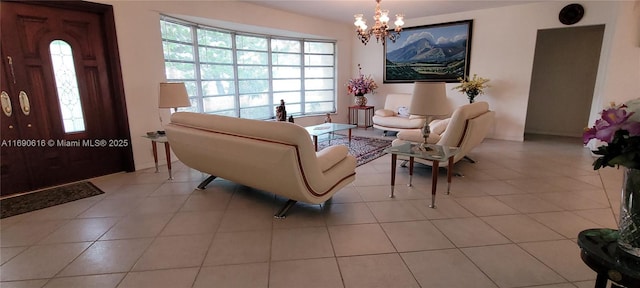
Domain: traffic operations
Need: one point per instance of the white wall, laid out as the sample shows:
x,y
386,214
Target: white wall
x,y
621,76
503,44
502,50
140,44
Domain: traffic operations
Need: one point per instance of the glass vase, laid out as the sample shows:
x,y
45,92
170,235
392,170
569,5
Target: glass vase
x,y
472,96
361,100
629,225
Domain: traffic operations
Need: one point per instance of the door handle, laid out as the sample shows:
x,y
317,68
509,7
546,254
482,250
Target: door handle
x,y
13,73
24,103
6,103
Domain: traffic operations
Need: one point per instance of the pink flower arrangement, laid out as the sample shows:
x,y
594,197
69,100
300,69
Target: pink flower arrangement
x,y
619,127
361,85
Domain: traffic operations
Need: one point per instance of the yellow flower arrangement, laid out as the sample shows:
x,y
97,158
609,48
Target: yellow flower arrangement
x,y
472,87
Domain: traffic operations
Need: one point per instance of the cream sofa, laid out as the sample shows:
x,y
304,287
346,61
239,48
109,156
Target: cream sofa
x,y
278,157
394,116
466,128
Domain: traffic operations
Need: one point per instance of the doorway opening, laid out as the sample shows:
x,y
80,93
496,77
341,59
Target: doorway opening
x,y
563,79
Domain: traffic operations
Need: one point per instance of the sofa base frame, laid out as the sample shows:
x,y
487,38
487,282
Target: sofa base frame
x,y
206,182
282,213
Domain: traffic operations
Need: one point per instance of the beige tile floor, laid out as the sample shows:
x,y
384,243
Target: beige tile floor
x,y
511,221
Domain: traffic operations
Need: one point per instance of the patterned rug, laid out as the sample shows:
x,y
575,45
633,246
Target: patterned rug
x,y
46,198
364,149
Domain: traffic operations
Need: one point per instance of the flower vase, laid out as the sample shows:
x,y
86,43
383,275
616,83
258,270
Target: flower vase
x,y
471,94
629,225
361,100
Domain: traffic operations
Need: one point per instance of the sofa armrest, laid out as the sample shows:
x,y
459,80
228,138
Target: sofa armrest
x,y
385,113
439,125
330,156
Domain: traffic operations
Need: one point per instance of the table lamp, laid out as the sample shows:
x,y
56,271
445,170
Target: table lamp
x,y
429,99
173,95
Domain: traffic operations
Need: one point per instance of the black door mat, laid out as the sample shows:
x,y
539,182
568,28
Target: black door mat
x,y
12,206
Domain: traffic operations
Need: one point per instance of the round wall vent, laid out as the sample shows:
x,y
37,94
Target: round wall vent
x,y
571,14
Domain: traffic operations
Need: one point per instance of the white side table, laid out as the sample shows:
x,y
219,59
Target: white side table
x,y
167,150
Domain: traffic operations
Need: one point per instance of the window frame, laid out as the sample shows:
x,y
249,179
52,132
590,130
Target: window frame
x,y
195,86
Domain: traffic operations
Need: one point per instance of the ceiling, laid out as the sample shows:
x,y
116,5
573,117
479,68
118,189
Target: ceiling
x,y
343,11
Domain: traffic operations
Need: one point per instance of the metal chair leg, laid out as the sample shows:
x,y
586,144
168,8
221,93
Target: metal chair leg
x,y
282,213
206,182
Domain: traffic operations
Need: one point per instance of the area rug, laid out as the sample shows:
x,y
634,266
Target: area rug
x,y
364,149
12,206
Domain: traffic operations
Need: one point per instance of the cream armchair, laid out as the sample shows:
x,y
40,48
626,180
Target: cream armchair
x,y
468,126
278,157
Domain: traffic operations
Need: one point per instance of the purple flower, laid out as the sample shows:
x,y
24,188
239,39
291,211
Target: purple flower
x,y
621,132
613,119
361,85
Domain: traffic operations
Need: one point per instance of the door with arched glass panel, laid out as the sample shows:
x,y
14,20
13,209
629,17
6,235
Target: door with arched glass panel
x,y
68,119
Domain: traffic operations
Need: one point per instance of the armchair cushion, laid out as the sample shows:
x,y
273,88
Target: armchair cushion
x,y
414,135
398,123
385,113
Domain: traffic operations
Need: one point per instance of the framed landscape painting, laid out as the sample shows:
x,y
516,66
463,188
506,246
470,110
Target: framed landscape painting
x,y
437,52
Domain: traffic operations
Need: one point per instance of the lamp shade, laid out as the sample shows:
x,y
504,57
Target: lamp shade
x,y
429,99
173,95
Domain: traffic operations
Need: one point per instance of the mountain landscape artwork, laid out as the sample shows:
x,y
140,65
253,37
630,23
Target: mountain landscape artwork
x,y
429,53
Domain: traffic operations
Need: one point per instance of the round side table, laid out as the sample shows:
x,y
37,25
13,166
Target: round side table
x,y
600,252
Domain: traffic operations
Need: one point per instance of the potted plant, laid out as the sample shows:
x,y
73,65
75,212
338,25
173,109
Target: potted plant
x,y
361,85
472,87
619,131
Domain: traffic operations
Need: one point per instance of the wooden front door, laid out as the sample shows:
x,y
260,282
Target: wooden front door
x,y
61,78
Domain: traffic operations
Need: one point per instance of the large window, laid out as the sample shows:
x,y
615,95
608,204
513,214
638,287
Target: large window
x,y
245,75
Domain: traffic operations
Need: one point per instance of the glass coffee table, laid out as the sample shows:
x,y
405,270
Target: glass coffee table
x,y
317,130
434,153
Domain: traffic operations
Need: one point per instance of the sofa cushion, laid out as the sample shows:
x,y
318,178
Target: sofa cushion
x,y
439,125
417,117
398,122
385,113
415,135
395,100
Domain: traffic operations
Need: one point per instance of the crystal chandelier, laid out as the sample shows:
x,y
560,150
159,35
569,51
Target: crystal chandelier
x,y
380,28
